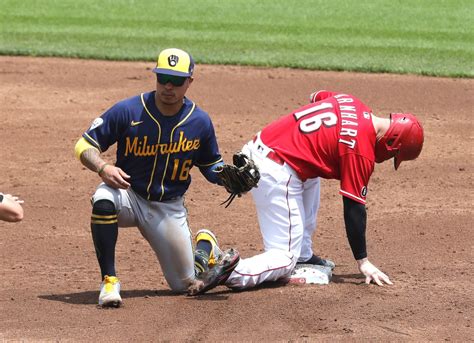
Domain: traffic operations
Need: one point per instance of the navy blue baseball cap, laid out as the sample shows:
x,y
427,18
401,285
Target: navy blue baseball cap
x,y
174,62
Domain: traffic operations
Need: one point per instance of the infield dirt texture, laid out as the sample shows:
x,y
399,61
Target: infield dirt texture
x,y
420,229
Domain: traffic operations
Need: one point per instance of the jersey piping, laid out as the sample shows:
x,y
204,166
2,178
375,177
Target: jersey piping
x,y
352,196
209,164
93,141
159,139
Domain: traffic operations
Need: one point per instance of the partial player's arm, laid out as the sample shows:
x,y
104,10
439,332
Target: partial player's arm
x,y
355,218
10,208
90,158
209,158
238,178
209,172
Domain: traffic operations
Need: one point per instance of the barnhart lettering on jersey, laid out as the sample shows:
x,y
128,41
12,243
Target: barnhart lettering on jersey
x,y
141,148
347,125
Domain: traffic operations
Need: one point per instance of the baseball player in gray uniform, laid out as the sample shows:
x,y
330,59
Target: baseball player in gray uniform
x,y
160,136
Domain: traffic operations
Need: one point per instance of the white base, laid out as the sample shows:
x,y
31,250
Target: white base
x,y
310,274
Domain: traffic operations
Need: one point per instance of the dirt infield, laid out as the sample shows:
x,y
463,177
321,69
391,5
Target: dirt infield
x,y
420,218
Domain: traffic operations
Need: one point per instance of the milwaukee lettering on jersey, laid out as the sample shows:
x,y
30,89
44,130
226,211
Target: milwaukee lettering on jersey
x,y
348,120
137,147
173,145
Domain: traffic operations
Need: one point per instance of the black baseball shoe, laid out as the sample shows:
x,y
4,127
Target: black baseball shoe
x,y
217,275
201,262
316,260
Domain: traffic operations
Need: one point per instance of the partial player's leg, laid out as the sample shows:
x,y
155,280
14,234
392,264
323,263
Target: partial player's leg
x,y
311,198
311,195
281,226
280,210
106,204
213,266
279,203
166,229
104,228
217,274
272,265
207,251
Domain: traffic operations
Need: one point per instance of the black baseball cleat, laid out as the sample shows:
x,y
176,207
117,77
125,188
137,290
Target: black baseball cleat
x,y
217,275
201,262
316,260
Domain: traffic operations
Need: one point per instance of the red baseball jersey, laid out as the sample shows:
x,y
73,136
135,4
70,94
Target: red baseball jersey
x,y
333,137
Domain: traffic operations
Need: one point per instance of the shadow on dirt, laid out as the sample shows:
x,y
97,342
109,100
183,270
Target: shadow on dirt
x,y
355,279
90,297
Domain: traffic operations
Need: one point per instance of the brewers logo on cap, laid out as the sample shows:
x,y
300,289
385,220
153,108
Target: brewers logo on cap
x,y
174,62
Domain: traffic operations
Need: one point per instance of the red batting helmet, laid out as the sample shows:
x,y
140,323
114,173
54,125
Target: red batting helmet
x,y
403,139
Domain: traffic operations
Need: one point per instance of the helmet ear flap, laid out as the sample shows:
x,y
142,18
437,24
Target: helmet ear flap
x,y
383,151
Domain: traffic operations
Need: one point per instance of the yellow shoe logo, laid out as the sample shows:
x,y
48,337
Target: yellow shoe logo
x,y
135,123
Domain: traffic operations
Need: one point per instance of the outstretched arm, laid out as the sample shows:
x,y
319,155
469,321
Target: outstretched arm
x,y
210,174
110,174
355,218
10,208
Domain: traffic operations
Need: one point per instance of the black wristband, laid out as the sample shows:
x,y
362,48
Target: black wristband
x,y
1,197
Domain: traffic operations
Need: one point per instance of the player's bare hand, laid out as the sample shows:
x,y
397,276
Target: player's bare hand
x,y
372,273
115,177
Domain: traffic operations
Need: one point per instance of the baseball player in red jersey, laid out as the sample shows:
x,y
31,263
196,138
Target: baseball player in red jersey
x,y
336,136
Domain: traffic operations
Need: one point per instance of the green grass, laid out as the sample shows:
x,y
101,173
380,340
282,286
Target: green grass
x,y
398,36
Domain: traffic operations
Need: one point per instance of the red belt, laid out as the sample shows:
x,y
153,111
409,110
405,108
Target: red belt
x,y
272,155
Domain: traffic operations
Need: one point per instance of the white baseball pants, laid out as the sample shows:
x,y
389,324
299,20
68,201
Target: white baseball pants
x,y
287,212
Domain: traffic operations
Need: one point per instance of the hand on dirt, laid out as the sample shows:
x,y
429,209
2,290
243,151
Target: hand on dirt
x,y
115,177
372,273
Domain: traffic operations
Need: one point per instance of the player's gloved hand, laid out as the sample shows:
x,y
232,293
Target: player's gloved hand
x,y
114,177
238,178
372,273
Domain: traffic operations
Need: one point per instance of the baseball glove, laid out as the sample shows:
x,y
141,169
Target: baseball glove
x,y
238,178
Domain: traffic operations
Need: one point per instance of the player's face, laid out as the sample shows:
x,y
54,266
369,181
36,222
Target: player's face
x,y
171,89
